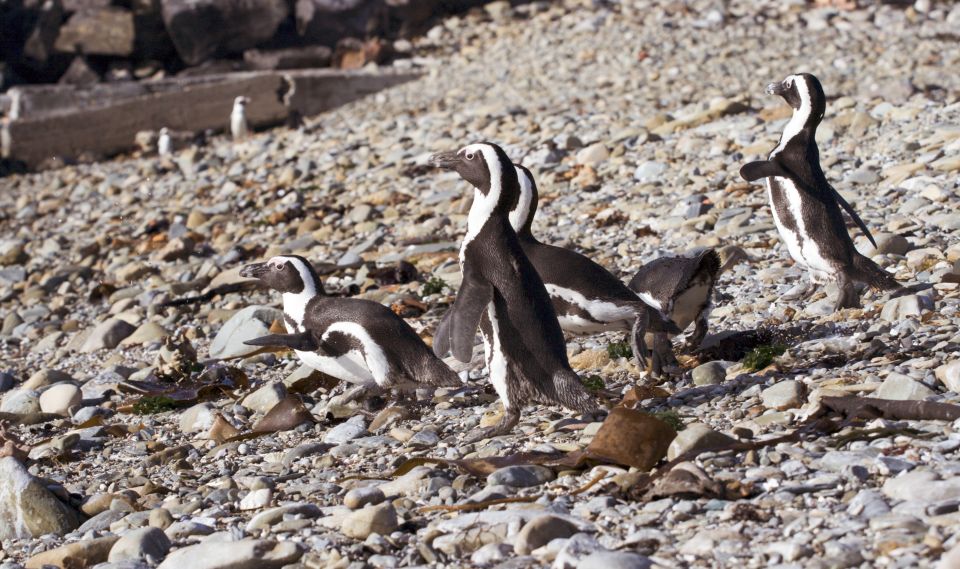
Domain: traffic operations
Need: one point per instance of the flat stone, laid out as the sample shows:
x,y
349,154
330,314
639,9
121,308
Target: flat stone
x,y
250,323
521,476
107,335
256,499
46,377
614,560
148,543
265,398
270,517
146,333
593,154
353,428
380,519
696,436
85,553
784,395
899,387
922,486
20,402
198,418
27,508
243,554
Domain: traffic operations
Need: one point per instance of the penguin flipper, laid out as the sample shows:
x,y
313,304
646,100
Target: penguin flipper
x,y
853,215
458,329
754,171
304,342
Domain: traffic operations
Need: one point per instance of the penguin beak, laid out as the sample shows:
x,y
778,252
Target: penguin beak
x,y
253,270
776,88
446,160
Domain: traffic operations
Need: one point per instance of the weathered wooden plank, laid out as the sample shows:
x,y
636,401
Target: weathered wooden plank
x,y
108,124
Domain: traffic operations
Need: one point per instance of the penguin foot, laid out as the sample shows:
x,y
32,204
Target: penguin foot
x,y
503,427
663,360
848,297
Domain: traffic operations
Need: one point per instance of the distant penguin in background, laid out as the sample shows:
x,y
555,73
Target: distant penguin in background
x,y
164,143
504,297
586,296
238,118
806,208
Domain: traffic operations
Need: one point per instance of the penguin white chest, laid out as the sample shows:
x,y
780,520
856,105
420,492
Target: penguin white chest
x,y
603,315
800,243
496,359
687,306
350,367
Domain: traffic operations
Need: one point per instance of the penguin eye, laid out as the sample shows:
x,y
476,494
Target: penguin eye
x,y
278,266
789,82
469,155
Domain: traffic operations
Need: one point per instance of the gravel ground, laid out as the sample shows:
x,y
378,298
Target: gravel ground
x,y
627,113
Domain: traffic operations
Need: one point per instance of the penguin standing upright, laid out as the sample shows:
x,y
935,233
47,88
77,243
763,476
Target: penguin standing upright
x,y
164,142
683,288
357,341
586,296
503,295
806,208
238,118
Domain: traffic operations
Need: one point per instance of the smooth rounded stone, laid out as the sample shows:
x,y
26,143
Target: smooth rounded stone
x,y
186,528
540,531
265,398
490,554
27,508
949,375
353,428
887,244
593,154
85,553
614,560
710,373
696,436
266,519
143,543
107,335
520,476
899,387
784,395
85,414
20,402
243,554
60,398
897,309
380,519
364,496
950,559
103,520
922,486
250,323
146,333
46,377
160,518
867,504
649,171
577,547
304,450
198,418
256,499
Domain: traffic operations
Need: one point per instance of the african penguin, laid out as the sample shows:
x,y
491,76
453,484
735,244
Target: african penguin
x,y
586,296
238,117
357,341
164,143
503,295
683,288
806,208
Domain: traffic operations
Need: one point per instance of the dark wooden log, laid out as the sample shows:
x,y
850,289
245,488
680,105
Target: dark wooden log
x,y
201,29
311,57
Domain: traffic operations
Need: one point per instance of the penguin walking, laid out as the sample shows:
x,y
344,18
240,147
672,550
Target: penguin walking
x,y
238,118
503,295
357,341
683,288
806,208
586,297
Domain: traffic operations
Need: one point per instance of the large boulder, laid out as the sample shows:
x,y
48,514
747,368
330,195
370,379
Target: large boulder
x,y
27,508
201,29
328,21
107,31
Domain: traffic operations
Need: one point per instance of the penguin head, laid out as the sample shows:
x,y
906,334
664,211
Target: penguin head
x,y
804,93
285,273
521,217
488,169
241,102
164,131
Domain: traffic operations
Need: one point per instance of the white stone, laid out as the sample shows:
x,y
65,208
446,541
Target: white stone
x,y
264,399
60,398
